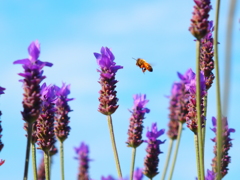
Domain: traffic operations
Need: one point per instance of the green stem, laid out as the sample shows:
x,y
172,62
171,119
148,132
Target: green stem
x,y
228,57
205,122
199,110
110,126
34,164
46,164
29,140
176,150
167,160
219,110
133,162
62,159
197,155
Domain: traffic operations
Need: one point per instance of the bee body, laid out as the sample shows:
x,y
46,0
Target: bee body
x,y
144,65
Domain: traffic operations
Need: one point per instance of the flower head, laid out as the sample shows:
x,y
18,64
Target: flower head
x,y
62,109
82,151
227,144
2,90
199,21
45,122
151,160
1,144
210,175
174,107
138,175
108,69
191,117
33,75
206,56
136,120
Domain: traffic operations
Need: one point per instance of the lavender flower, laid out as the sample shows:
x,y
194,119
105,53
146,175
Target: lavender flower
x,y
190,86
206,56
136,120
108,68
82,152
45,121
1,144
226,145
199,25
210,175
62,109
33,75
138,175
2,90
151,160
174,107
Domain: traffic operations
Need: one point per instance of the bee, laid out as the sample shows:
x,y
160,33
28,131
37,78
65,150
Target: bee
x,y
143,65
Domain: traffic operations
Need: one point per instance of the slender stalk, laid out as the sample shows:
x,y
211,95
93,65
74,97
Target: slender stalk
x,y
168,158
219,110
29,140
228,57
34,164
197,155
198,103
133,162
176,151
205,122
62,159
110,126
46,164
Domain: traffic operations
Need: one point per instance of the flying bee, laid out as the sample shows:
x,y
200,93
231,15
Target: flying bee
x,y
143,65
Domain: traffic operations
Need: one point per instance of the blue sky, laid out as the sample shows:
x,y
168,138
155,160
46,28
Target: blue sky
x,y
69,33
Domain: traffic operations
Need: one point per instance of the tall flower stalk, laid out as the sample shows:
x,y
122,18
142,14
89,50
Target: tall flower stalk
x,y
61,127
199,28
82,156
153,150
108,95
218,94
136,126
33,75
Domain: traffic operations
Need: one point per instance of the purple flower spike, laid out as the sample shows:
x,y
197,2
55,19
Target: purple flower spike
x,y
82,151
151,160
174,110
1,144
45,122
33,75
210,175
199,21
191,117
206,56
136,120
138,175
2,90
227,144
108,69
62,109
